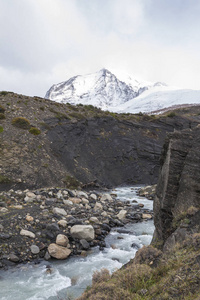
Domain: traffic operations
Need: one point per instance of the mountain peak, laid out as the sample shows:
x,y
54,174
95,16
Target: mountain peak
x,y
102,89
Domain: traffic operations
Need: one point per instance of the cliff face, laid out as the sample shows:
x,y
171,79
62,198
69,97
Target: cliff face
x,y
80,142
177,200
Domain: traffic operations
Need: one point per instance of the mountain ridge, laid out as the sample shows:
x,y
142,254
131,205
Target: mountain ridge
x,y
121,94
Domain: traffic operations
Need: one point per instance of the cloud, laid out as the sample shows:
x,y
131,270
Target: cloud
x,y
47,41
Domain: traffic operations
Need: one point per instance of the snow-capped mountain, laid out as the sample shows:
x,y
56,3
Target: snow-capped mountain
x,y
101,89
120,93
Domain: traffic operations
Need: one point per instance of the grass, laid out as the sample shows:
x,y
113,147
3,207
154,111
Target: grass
x,y
174,275
2,109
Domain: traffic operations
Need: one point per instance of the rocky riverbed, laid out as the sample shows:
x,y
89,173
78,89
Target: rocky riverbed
x,y
58,223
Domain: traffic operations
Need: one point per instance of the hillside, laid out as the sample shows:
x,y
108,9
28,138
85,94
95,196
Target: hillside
x,y
80,142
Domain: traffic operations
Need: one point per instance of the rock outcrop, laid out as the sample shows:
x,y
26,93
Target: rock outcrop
x,y
177,200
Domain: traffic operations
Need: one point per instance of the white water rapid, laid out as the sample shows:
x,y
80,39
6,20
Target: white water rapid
x,y
71,277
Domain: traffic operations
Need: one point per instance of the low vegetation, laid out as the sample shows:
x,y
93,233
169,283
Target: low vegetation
x,y
35,131
1,129
174,275
21,122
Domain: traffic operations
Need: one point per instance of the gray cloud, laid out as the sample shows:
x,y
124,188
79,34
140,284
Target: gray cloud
x,y
47,41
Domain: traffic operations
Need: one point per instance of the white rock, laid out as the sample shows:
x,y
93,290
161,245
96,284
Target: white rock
x,y
27,233
94,220
82,194
59,211
62,223
106,197
146,216
82,232
62,240
3,209
98,206
85,201
58,252
104,214
67,202
122,214
87,206
93,197
31,195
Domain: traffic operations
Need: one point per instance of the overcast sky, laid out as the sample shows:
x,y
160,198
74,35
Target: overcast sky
x,y
43,42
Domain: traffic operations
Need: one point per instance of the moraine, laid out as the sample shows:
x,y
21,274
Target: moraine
x,y
56,279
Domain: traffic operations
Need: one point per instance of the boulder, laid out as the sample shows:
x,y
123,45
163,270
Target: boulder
x,y
82,232
27,233
58,252
29,218
62,223
94,220
146,216
93,197
59,211
98,206
35,249
106,197
62,240
122,214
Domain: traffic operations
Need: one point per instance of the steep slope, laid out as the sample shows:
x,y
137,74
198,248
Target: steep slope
x,y
80,142
101,89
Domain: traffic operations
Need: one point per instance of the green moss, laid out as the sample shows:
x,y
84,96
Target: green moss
x,y
1,129
21,122
35,131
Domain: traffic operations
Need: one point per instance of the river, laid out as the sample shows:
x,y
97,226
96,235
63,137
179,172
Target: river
x,y
67,279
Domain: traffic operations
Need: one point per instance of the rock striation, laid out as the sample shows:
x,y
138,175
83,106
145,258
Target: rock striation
x,y
177,200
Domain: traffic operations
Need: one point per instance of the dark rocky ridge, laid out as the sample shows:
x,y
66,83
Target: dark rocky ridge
x,y
82,142
177,199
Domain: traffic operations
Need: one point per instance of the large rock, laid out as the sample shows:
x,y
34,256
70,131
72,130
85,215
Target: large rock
x,y
82,232
58,252
62,240
178,189
122,214
27,233
59,211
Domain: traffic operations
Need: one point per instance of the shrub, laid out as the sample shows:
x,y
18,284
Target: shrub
x,y
35,131
171,114
1,129
3,93
2,116
2,109
21,122
4,179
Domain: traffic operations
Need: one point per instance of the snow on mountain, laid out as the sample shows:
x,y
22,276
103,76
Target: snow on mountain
x,y
121,93
102,89
151,101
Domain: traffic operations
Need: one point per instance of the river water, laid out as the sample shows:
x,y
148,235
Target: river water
x,y
71,277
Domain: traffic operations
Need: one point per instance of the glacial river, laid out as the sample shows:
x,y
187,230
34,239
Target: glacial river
x,y
71,277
